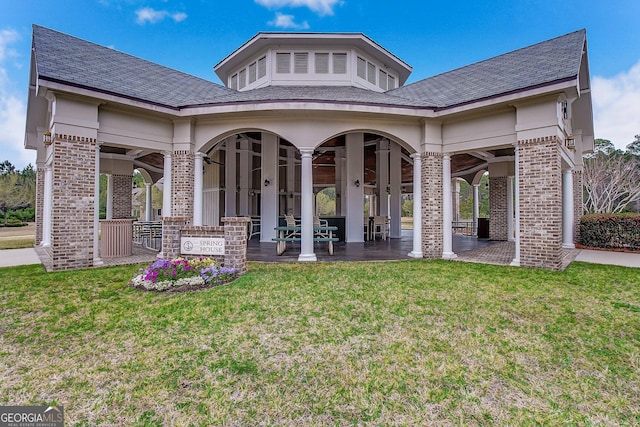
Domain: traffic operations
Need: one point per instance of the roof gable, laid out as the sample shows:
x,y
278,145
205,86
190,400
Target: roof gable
x,y
66,59
541,64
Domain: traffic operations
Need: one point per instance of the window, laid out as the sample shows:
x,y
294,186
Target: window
x,y
262,67
234,82
392,82
242,78
322,63
283,63
252,72
371,73
362,68
383,80
301,63
339,63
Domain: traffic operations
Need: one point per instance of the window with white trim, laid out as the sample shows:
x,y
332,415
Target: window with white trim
x,y
252,72
383,79
392,82
262,67
242,78
234,82
301,62
371,73
283,63
339,63
362,68
321,63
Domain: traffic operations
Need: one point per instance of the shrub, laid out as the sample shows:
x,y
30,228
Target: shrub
x,y
611,231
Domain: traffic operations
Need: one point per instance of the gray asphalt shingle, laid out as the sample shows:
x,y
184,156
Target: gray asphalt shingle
x,y
551,61
67,59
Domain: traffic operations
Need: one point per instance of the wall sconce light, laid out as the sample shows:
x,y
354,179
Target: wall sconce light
x,y
238,189
252,193
291,196
266,182
46,137
356,183
570,142
388,189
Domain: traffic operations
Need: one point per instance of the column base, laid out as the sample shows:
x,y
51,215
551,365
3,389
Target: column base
x,y
415,254
307,257
568,246
515,262
449,255
97,262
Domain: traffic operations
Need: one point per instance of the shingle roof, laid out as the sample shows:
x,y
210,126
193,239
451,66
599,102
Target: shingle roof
x,y
63,58
551,61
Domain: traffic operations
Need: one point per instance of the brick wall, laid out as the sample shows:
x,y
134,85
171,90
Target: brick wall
x,y
40,172
578,208
498,215
540,185
432,245
73,191
122,197
182,164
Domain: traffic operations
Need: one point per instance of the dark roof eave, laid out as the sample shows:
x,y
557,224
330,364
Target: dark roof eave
x,y
317,101
108,92
498,95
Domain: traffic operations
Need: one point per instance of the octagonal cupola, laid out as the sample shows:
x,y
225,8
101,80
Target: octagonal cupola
x,y
312,59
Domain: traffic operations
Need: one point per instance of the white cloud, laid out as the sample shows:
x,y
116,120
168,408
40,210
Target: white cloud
x,y
287,21
6,38
616,106
13,109
152,16
321,7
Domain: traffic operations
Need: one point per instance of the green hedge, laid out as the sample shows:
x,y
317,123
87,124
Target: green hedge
x,y
620,231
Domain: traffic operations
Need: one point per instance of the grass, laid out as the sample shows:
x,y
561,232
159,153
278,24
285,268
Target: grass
x,y
397,343
17,242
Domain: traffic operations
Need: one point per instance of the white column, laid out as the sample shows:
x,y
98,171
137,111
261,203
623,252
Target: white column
x,y
306,244
382,176
510,235
354,197
567,209
246,165
230,183
270,192
476,207
197,189
516,259
166,187
109,196
147,205
447,231
46,208
417,206
395,207
96,209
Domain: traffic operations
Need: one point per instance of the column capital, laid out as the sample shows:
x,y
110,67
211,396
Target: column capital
x,y
416,156
306,152
168,154
200,154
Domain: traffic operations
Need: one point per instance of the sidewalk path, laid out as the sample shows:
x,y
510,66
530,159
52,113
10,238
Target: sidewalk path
x,y
13,257
624,259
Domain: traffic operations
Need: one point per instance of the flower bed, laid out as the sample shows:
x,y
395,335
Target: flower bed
x,y
182,274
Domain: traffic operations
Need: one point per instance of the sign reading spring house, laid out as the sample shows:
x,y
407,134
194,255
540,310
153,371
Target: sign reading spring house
x,y
202,246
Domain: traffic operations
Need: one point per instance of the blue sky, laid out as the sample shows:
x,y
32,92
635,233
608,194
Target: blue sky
x,y
432,36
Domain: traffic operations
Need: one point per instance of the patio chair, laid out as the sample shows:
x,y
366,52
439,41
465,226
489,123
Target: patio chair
x,y
254,227
292,222
380,226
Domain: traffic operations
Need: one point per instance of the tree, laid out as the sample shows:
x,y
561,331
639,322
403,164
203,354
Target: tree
x,y
634,147
6,168
611,178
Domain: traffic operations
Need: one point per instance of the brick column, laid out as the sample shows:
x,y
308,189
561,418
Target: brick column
x,y
498,227
432,244
235,242
171,236
182,166
122,198
540,203
578,203
73,194
40,171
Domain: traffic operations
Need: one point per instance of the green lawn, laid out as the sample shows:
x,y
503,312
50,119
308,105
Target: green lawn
x,y
396,343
